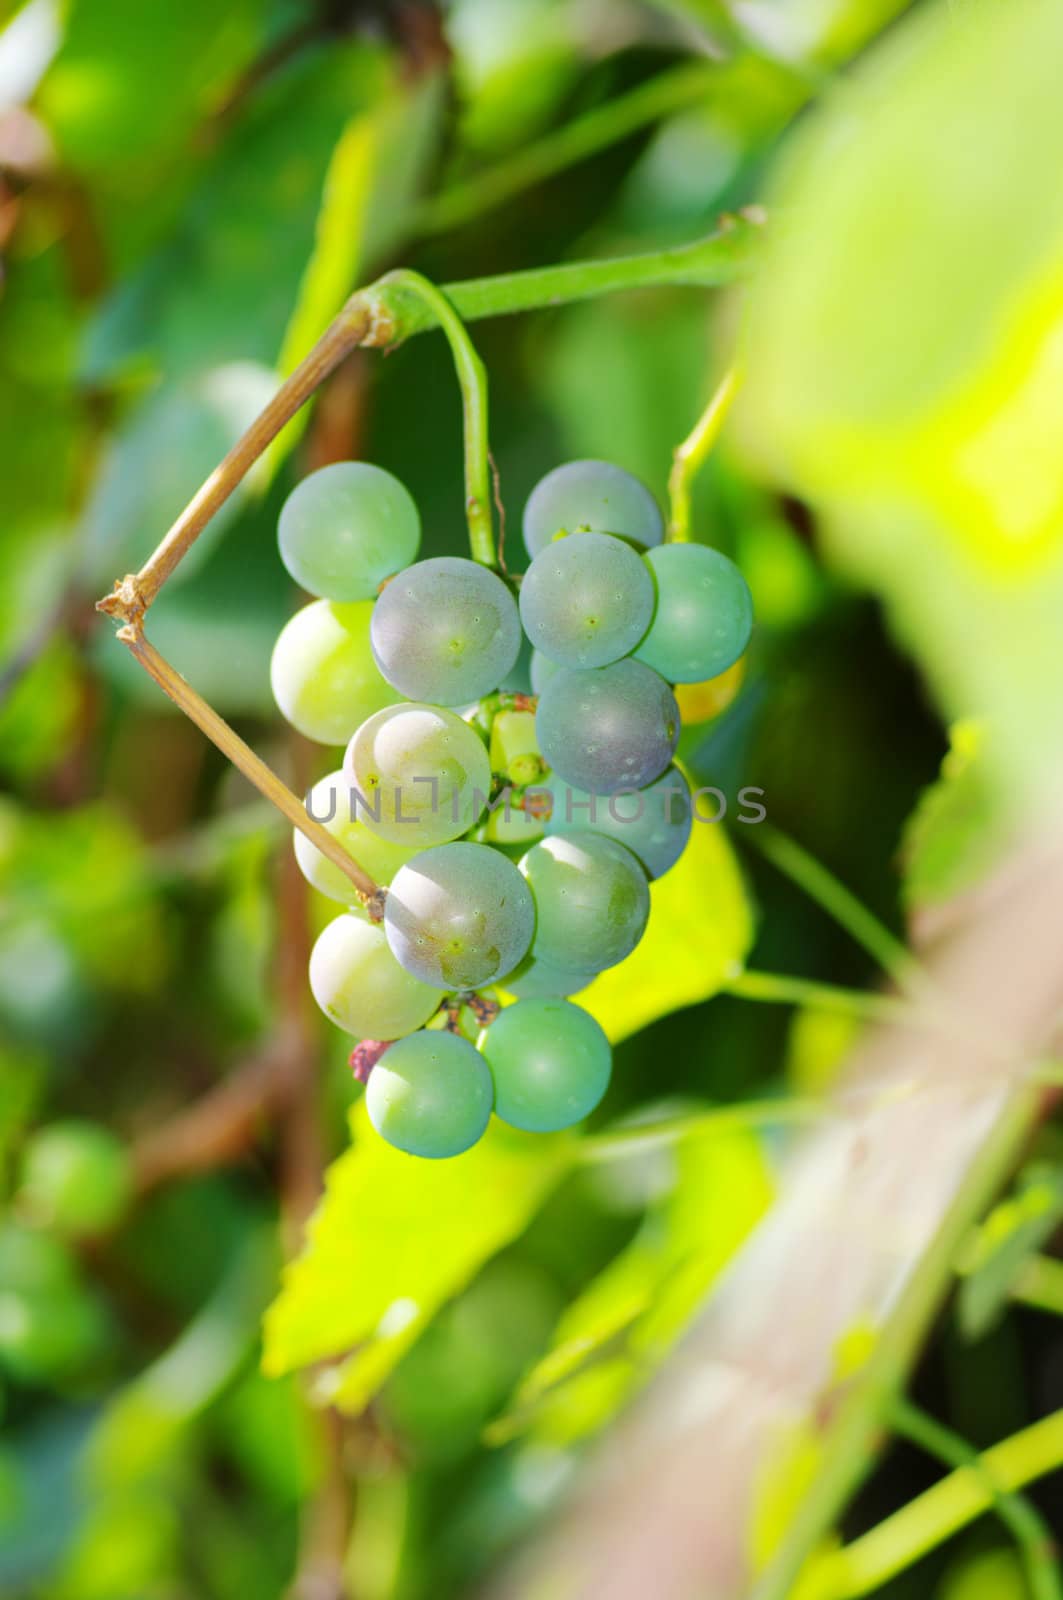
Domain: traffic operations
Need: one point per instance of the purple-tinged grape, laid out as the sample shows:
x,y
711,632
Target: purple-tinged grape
x,y
446,631
459,916
591,497
586,601
608,728
653,823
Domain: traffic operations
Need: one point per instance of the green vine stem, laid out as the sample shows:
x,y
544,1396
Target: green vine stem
x,y
389,295
642,1136
691,455
687,85
1016,1512
967,1493
780,989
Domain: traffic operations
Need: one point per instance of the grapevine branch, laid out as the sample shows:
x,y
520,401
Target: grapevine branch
x,y
379,317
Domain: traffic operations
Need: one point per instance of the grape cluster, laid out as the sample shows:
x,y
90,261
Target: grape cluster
x,y
514,840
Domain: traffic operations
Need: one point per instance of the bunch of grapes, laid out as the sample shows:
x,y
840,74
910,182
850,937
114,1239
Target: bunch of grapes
x,y
513,833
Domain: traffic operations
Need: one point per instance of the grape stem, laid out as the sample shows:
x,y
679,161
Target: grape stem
x,y
691,455
392,290
381,316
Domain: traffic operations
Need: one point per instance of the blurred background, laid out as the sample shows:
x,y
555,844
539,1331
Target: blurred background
x,y
188,191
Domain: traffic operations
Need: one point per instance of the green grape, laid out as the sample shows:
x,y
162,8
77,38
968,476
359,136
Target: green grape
x,y
360,986
586,601
653,823
346,528
76,1178
542,669
515,828
592,901
422,775
703,617
459,916
550,1061
446,631
51,1335
430,1095
535,977
609,728
324,678
334,802
590,497
32,1262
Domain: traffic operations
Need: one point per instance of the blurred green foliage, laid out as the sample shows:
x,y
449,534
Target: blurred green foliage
x,y
187,193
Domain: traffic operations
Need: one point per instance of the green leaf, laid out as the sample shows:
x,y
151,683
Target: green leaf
x,y
622,1325
392,1240
699,933
954,832
1014,1231
925,425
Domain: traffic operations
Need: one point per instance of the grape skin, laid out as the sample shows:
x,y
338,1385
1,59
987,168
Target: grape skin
x,y
653,823
446,631
335,798
592,901
346,528
459,916
541,671
323,675
425,771
550,1061
360,986
591,496
586,601
608,728
703,617
430,1095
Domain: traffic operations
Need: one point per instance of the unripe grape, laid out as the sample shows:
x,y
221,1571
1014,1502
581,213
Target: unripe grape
x,y
592,901
590,497
586,601
430,1095
334,802
535,977
323,675
422,775
346,528
459,916
610,728
360,986
550,1062
703,617
446,631
700,702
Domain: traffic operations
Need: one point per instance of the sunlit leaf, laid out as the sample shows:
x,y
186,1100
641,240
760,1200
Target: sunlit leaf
x,y
955,831
700,930
392,1239
924,424
1014,1231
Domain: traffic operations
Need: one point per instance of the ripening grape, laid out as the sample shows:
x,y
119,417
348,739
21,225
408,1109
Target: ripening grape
x,y
541,671
346,528
700,702
446,631
550,1062
608,728
459,916
324,678
586,601
335,803
535,977
653,823
703,617
430,1095
422,774
592,901
360,986
76,1178
590,497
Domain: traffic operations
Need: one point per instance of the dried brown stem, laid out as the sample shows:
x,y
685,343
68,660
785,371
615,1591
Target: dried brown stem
x,y
244,758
